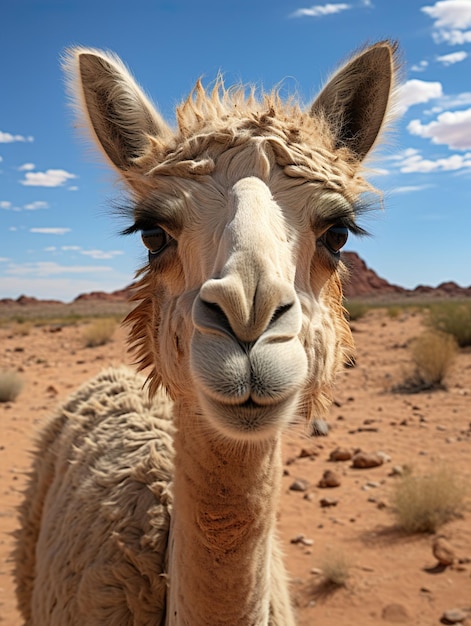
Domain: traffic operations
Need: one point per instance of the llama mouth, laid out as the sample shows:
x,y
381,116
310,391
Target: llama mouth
x,y
249,419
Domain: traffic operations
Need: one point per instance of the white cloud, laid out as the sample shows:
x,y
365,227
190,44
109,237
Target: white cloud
x,y
26,167
453,57
451,19
9,138
6,204
4,259
420,66
411,161
49,268
70,248
410,188
452,128
50,231
101,254
50,178
319,10
38,204
416,92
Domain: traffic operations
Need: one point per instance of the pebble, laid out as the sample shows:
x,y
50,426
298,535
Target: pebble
x,y
329,479
395,614
443,551
302,540
319,428
454,616
340,454
299,485
363,460
327,502
308,453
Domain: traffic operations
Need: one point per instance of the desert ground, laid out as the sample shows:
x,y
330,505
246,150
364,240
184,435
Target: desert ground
x,y
393,577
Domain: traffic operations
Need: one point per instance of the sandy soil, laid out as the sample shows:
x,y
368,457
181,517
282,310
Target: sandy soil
x,y
386,567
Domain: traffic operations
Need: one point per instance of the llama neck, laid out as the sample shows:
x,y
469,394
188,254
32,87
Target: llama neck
x,y
221,549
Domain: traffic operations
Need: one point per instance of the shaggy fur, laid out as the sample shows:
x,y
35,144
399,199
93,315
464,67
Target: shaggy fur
x,y
106,462
238,317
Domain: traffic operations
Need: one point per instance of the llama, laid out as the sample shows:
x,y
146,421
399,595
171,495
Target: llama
x,y
160,508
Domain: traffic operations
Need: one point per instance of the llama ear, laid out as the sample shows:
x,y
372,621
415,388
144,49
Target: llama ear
x,y
119,114
355,101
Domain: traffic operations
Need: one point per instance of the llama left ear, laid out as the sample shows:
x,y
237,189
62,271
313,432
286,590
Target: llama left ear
x,y
121,118
355,101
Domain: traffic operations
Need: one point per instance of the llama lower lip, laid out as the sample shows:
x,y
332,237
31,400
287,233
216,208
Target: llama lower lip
x,y
249,419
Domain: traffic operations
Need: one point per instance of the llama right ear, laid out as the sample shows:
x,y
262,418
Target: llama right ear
x,y
120,116
356,100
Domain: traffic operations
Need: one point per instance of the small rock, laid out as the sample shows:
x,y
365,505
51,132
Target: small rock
x,y
327,502
319,428
329,479
395,613
52,390
308,453
302,540
443,551
340,454
397,470
363,460
454,616
299,485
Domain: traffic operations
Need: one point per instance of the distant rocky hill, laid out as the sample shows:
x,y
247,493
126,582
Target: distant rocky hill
x,y
363,282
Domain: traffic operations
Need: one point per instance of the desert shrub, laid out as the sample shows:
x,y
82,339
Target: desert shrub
x,y
355,309
423,503
335,567
453,318
10,385
432,355
99,332
394,311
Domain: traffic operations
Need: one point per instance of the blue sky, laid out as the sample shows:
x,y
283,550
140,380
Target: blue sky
x,y
58,236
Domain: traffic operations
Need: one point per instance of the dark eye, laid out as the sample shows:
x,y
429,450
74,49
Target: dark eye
x,y
155,239
335,238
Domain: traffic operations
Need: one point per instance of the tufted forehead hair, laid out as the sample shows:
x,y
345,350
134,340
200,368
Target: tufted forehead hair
x,y
211,121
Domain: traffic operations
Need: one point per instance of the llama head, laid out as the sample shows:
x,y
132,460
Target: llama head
x,y
244,208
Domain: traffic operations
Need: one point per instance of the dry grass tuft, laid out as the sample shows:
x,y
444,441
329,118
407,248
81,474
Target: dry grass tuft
x,y
10,385
99,332
432,355
423,503
453,318
335,567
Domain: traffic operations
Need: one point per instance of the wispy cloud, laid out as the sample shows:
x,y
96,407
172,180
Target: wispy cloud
x,y
50,231
452,58
49,268
26,167
421,66
101,254
452,128
50,178
31,206
10,138
410,188
411,161
417,91
451,19
321,10
37,204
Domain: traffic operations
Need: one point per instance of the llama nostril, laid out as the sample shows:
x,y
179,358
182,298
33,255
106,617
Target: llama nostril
x,y
279,312
215,316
